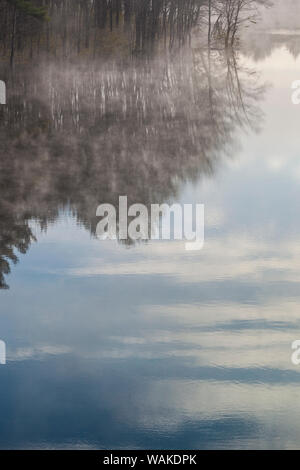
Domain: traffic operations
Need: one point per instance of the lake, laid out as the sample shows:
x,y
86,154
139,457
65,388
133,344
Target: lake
x,y
146,345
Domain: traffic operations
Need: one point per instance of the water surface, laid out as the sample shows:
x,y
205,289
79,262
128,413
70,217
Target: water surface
x,y
147,345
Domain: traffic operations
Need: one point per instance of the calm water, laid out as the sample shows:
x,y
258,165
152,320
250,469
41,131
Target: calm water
x,y
149,346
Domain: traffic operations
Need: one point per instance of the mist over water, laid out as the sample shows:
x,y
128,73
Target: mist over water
x,y
144,345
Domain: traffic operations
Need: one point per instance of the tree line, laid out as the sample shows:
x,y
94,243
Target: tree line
x,y
68,27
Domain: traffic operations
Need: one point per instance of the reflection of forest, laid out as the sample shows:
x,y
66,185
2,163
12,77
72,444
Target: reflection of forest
x,y
278,27
78,138
73,138
261,45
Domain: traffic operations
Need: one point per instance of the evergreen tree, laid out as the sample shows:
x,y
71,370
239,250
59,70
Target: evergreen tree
x,y
28,7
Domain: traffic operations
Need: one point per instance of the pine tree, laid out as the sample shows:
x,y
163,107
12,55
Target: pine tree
x,y
27,7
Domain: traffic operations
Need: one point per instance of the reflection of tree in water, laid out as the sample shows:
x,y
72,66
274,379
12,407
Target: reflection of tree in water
x,y
261,45
278,27
14,234
139,131
74,139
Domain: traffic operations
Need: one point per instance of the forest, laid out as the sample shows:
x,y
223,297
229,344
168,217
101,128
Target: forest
x,y
69,27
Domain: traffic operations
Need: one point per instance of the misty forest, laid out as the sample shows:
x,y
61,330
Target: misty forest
x,y
65,28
